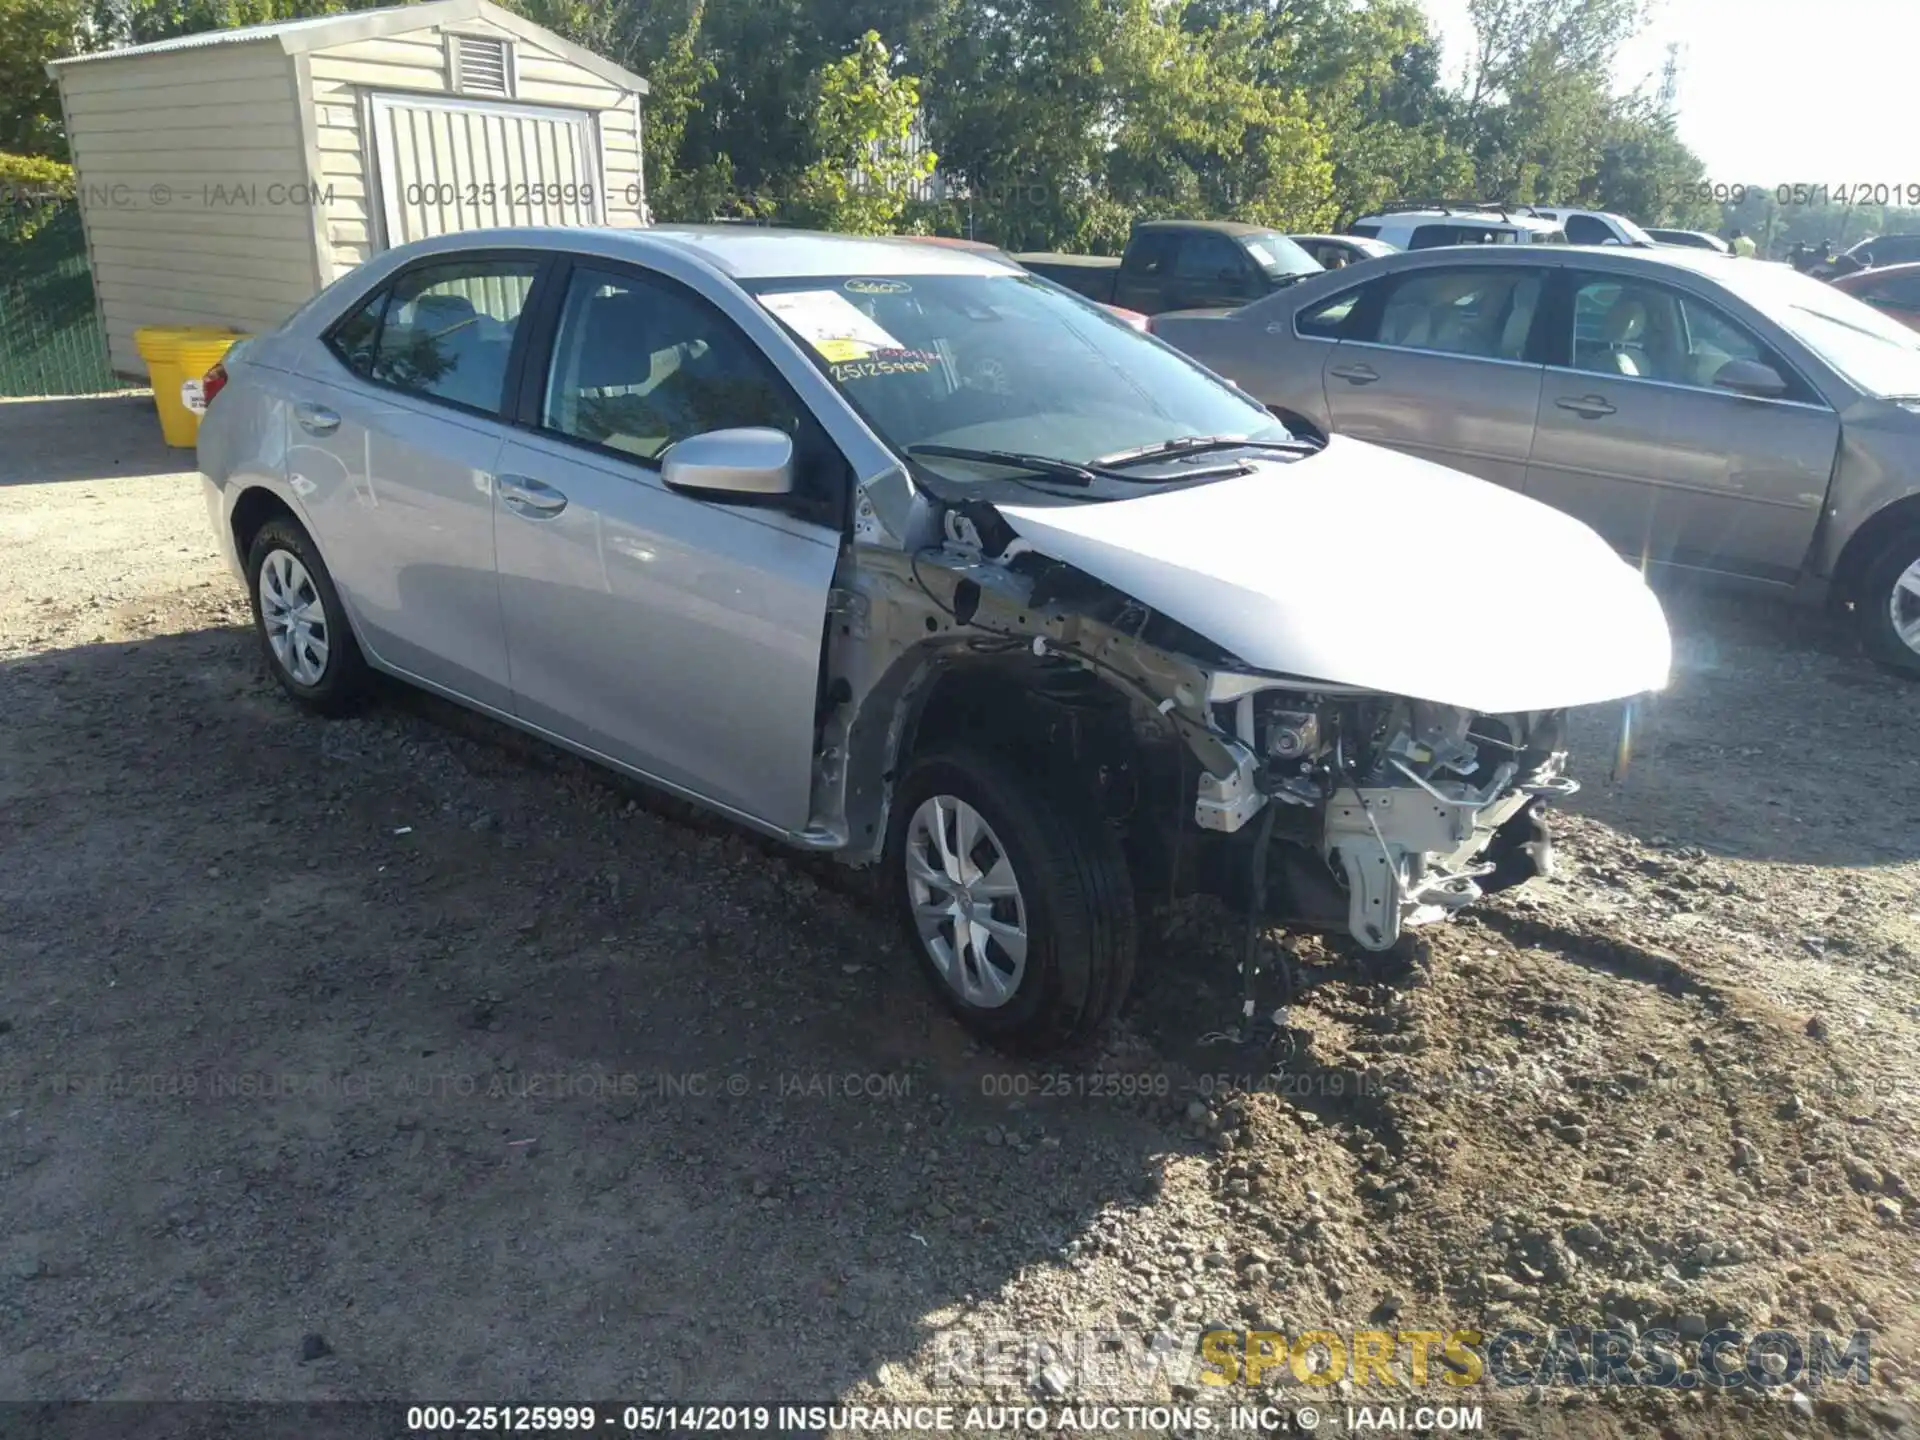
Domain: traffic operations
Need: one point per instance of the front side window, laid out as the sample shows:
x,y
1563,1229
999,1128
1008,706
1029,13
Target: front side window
x,y
1650,332
1209,259
1486,312
639,364
1001,362
443,331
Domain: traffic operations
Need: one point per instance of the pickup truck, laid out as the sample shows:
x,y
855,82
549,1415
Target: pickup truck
x,y
1182,265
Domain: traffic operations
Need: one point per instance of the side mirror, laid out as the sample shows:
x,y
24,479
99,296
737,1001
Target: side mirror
x,y
1750,377
750,461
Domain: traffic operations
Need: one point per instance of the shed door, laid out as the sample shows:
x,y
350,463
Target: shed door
x,y
450,165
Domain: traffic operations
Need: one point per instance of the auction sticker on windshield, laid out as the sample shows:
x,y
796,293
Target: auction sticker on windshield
x,y
832,324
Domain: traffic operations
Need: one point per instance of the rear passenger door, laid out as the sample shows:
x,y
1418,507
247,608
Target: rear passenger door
x,y
392,451
1438,362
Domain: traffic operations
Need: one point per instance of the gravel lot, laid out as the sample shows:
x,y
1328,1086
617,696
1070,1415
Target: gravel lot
x,y
404,1056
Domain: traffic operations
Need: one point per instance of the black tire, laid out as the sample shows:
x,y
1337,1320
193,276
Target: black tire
x,y
1873,604
1074,886
343,679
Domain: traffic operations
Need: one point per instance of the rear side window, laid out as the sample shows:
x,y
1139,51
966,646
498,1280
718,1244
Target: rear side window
x,y
443,331
448,330
352,339
1368,232
1147,252
1485,312
1586,230
1430,237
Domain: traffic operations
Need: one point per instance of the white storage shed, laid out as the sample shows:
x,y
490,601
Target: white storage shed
x,y
225,178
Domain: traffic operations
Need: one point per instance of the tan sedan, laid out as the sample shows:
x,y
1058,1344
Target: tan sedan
x,y
1699,411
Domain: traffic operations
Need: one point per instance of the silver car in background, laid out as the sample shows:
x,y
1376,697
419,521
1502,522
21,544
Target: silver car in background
x,y
897,552
1728,417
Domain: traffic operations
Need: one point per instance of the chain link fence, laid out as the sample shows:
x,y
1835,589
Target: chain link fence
x,y
50,337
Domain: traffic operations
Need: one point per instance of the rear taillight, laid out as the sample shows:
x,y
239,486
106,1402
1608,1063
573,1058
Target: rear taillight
x,y
213,383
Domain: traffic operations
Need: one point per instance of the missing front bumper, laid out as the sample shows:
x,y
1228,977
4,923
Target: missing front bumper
x,y
1411,857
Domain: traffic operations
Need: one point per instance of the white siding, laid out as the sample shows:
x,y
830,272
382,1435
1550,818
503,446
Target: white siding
x,y
225,183
344,76
192,175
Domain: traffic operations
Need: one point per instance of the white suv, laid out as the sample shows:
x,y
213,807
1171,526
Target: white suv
x,y
1597,227
1429,229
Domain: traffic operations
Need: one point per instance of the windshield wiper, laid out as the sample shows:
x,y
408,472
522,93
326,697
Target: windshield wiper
x,y
1014,460
1199,444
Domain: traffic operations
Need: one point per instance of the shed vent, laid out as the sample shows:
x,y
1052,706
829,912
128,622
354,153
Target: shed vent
x,y
482,65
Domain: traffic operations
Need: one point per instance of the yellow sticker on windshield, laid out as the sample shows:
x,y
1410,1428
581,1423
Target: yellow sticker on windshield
x,y
842,350
833,325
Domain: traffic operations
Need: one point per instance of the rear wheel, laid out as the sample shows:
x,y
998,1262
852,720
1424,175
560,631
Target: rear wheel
x,y
303,630
1015,897
1887,604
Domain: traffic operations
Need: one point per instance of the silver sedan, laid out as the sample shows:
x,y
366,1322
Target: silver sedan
x,y
1698,411
899,553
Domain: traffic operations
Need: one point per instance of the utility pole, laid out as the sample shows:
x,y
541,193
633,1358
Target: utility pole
x,y
1669,98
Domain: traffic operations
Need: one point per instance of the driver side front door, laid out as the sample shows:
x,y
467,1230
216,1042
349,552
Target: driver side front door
x,y
677,635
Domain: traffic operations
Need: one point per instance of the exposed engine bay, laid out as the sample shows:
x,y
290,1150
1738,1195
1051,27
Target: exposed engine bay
x,y
1319,805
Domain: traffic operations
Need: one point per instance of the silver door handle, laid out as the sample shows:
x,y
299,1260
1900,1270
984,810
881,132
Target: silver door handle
x,y
535,499
316,419
1591,406
1356,374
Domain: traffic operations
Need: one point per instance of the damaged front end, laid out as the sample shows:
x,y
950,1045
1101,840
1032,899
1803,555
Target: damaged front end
x,y
1412,810
1314,804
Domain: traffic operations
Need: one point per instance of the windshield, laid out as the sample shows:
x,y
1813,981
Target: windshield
x,y
1002,362
1277,254
1876,354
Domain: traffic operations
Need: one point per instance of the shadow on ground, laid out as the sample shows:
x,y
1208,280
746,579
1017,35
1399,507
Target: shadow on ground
x,y
85,437
1777,740
476,1070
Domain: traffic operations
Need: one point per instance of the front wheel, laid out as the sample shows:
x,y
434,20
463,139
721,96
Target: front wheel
x,y
1015,897
1887,605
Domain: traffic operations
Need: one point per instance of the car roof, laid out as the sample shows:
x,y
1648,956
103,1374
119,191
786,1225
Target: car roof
x,y
1222,227
743,252
1709,263
1469,217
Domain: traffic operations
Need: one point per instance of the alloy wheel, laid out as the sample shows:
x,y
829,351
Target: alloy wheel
x,y
1903,607
294,616
966,901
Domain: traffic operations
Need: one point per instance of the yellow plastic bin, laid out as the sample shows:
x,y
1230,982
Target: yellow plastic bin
x,y
161,346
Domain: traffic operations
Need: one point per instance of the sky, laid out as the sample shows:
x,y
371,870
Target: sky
x,y
1772,92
